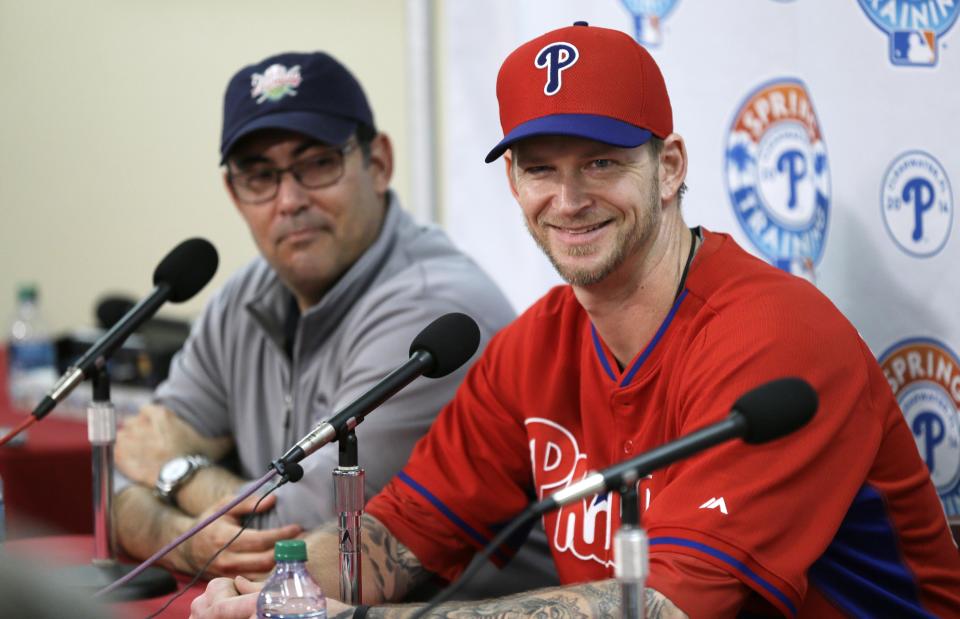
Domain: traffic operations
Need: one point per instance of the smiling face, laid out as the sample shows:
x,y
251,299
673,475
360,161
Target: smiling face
x,y
590,207
312,236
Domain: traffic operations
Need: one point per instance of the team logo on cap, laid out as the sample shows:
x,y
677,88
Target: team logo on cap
x,y
647,15
778,177
914,26
917,203
275,83
556,58
925,376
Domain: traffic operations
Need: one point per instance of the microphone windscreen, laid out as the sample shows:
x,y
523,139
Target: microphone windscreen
x,y
111,309
187,268
451,340
776,409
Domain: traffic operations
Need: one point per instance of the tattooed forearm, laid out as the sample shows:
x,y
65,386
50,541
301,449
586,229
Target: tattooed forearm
x,y
657,605
389,568
394,570
557,607
598,599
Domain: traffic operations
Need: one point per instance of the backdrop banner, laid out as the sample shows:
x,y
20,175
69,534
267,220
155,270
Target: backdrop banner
x,y
822,135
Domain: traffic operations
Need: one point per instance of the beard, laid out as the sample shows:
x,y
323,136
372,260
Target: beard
x,y
626,241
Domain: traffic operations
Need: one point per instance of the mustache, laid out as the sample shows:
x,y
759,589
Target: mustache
x,y
307,219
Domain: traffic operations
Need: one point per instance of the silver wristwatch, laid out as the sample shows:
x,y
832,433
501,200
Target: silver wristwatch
x,y
174,473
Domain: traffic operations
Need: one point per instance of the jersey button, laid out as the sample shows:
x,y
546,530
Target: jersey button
x,y
621,405
628,447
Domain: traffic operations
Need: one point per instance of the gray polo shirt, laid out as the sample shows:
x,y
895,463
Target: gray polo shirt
x,y
233,377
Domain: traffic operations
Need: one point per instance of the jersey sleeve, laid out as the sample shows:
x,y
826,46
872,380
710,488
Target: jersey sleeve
x,y
765,513
718,594
469,476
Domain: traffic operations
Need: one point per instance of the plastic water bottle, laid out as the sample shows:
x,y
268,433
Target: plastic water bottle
x,y
291,593
30,354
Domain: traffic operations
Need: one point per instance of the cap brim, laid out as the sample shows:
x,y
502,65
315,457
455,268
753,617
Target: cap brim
x,y
322,127
592,127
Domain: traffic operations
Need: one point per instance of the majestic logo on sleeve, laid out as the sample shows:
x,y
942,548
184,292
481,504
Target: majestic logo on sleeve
x,y
556,58
716,503
778,177
275,83
925,376
917,203
647,15
914,27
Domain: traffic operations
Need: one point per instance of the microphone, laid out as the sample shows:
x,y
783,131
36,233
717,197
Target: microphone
x,y
179,276
763,414
442,347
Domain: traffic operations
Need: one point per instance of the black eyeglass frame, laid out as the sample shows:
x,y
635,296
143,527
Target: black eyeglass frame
x,y
277,174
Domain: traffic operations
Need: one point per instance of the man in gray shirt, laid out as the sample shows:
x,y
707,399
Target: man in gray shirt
x,y
344,282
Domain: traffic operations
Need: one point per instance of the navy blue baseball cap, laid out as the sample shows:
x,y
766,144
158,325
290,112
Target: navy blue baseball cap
x,y
309,93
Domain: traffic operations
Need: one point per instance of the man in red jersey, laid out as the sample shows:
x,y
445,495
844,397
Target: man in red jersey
x,y
659,331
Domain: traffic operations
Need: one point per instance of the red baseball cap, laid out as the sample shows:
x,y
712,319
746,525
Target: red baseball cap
x,y
583,81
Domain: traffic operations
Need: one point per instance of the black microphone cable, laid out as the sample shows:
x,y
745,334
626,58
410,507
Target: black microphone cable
x,y
498,540
200,572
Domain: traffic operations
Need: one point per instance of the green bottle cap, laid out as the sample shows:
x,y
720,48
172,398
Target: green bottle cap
x,y
27,292
290,550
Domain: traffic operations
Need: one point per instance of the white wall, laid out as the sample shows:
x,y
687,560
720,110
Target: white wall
x,y
110,118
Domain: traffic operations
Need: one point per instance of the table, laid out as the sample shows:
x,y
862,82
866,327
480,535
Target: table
x,y
78,549
47,481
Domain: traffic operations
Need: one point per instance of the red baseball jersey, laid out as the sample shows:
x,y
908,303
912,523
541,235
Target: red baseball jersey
x,y
839,518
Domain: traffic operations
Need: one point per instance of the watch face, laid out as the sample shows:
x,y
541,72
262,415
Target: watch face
x,y
175,469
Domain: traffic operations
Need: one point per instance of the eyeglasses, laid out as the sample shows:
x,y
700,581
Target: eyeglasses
x,y
257,182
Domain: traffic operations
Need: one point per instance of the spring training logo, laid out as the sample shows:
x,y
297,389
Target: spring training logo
x,y
917,203
914,27
778,177
925,377
647,15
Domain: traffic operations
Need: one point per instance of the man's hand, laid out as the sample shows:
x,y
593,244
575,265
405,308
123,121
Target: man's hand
x,y
236,598
147,440
227,598
251,555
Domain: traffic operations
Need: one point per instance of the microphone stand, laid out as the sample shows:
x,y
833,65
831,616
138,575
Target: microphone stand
x,y
630,554
349,497
102,433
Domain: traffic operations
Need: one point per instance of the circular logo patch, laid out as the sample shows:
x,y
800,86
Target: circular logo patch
x,y
777,174
925,377
647,15
917,203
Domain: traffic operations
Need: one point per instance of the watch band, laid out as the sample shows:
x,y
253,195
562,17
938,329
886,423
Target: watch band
x,y
166,489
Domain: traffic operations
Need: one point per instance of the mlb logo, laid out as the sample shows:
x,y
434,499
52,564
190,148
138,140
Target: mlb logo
x,y
913,27
913,47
